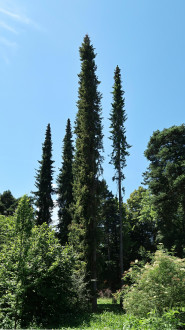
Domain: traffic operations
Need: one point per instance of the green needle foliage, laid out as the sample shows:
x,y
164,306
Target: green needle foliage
x,y
87,163
119,145
44,177
65,186
118,131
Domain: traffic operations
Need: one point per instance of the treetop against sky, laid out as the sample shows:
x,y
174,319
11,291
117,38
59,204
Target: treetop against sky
x,y
39,64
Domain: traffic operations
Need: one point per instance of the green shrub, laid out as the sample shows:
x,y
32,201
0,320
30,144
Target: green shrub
x,y
169,320
157,286
53,284
39,279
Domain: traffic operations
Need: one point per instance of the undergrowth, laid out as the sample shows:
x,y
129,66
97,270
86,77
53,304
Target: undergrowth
x,y
110,316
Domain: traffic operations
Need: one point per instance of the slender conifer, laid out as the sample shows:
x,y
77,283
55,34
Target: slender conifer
x,y
43,183
64,186
120,147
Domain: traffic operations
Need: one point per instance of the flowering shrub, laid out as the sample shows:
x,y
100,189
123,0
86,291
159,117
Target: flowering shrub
x,y
157,286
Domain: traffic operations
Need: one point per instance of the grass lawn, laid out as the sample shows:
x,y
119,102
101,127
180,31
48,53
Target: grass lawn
x,y
111,317
108,316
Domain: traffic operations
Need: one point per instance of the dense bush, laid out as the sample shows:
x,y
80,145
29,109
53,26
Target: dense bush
x,y
157,286
39,279
53,285
169,320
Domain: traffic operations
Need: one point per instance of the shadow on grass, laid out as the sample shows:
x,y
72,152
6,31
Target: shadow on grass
x,y
75,321
115,308
83,320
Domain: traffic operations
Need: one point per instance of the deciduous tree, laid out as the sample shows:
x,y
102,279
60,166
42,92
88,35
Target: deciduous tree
x,y
166,179
141,219
8,203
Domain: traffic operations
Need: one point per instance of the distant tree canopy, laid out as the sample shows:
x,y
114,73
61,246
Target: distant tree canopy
x,y
166,179
8,203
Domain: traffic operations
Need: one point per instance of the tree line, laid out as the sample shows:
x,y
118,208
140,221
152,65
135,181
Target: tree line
x,y
100,233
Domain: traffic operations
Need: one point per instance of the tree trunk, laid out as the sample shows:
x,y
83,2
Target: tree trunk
x,y
121,227
94,275
92,233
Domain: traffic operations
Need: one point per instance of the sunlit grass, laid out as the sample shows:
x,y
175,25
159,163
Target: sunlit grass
x,y
104,301
111,317
108,316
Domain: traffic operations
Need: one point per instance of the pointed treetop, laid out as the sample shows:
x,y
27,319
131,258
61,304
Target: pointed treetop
x,y
86,49
44,178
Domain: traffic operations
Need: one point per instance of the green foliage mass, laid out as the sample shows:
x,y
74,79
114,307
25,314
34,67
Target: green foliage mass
x,y
39,280
141,224
166,179
157,286
8,203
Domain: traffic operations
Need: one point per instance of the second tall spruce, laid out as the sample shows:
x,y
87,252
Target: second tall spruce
x,y
119,147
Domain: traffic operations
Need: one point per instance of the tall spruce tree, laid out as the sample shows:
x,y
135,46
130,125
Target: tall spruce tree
x,y
43,183
87,164
119,145
64,186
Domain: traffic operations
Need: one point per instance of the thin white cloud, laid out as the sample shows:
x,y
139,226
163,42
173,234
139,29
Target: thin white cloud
x,y
8,27
9,13
13,20
8,43
20,18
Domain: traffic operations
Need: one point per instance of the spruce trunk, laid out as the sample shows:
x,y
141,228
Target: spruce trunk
x,y
121,227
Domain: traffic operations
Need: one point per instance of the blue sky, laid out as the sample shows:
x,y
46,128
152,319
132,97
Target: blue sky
x,y
39,63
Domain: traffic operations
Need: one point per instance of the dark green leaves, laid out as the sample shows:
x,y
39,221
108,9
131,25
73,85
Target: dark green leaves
x,y
166,180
